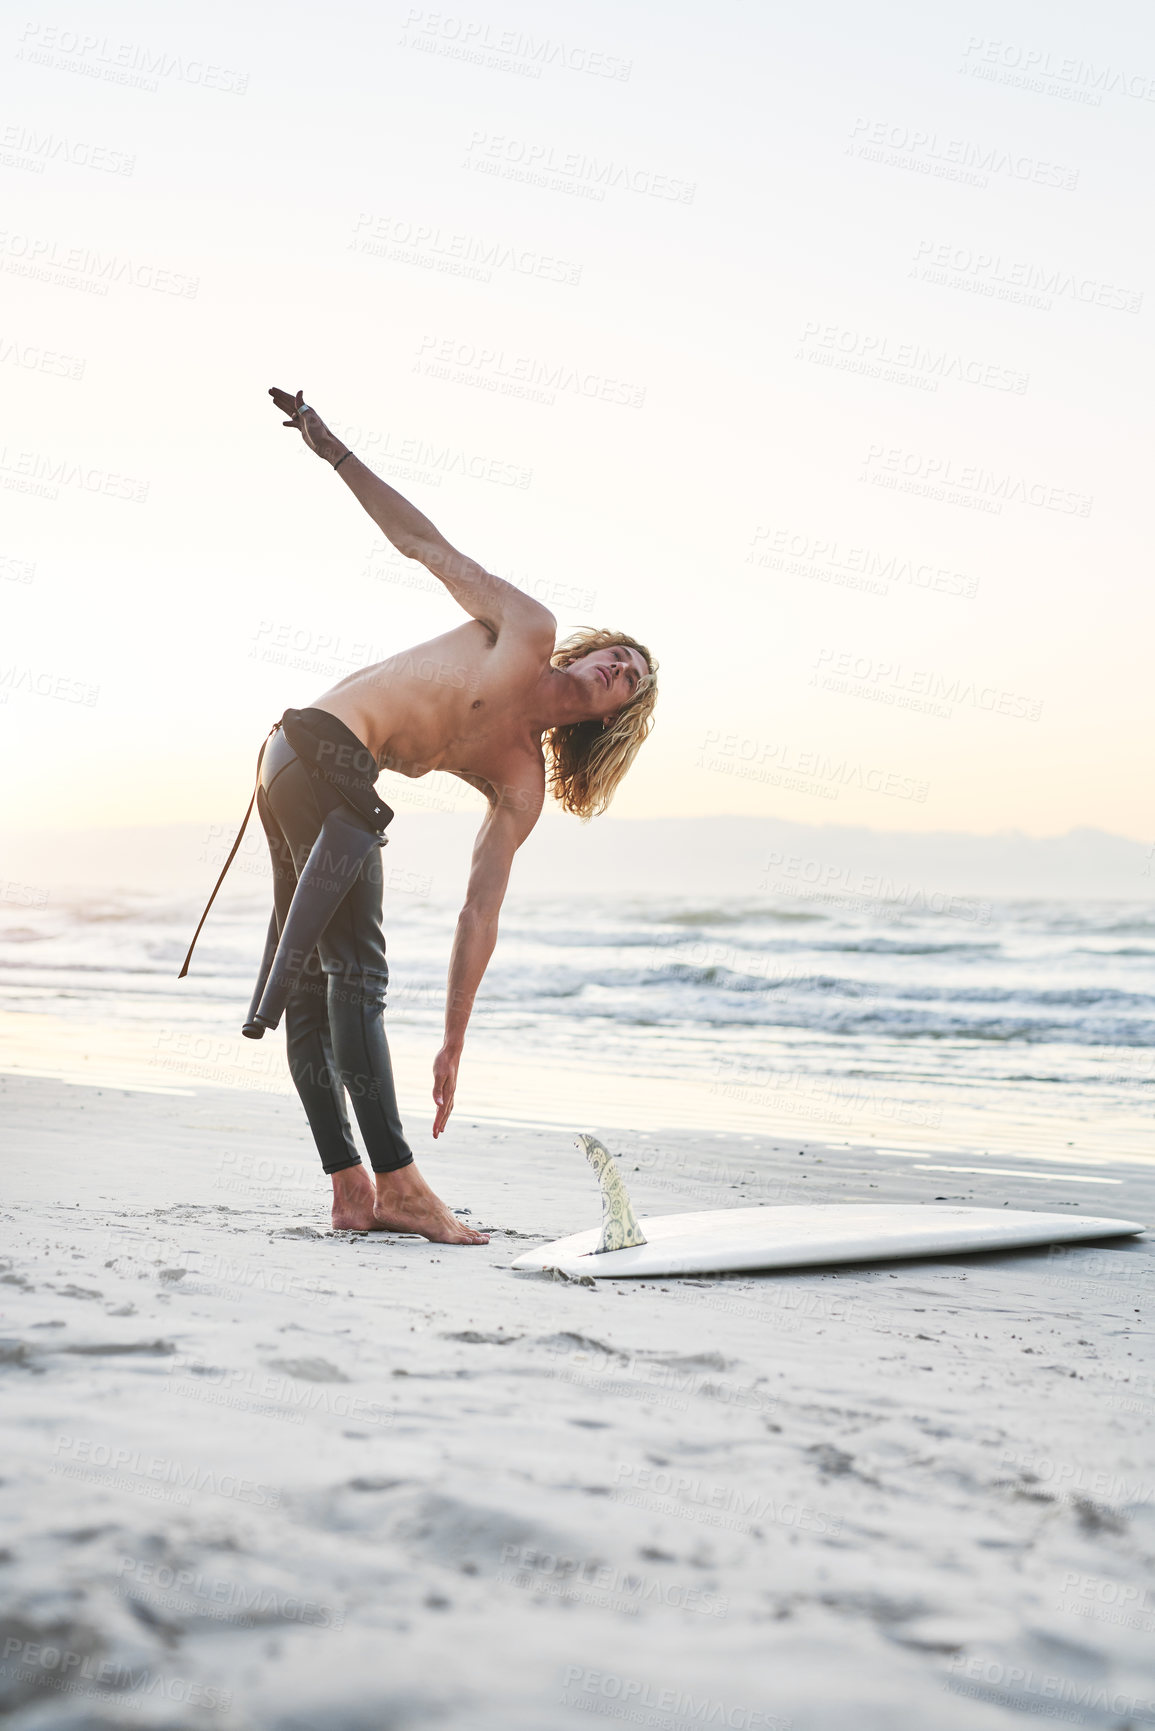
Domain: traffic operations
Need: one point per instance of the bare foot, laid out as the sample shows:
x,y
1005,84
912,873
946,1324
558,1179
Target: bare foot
x,y
353,1199
405,1203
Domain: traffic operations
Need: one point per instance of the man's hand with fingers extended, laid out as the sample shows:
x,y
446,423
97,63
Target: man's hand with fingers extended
x,y
444,1085
309,424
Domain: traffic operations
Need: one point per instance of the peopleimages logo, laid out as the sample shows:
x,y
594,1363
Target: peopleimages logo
x,y
828,880
991,274
43,1664
118,62
771,759
428,245
633,1698
24,147
951,158
916,688
507,50
24,471
877,355
595,1582
993,487
241,1604
81,267
83,1457
497,152
831,561
520,375
1017,1680
1034,68
714,1504
1078,1479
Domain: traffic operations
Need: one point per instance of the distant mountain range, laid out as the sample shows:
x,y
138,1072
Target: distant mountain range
x,y
739,857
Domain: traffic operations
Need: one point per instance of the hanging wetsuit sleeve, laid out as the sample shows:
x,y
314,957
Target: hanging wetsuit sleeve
x,y
232,852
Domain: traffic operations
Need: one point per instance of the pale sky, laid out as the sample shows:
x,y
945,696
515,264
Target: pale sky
x,y
809,345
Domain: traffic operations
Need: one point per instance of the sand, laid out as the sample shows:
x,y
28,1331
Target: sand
x,y
260,1475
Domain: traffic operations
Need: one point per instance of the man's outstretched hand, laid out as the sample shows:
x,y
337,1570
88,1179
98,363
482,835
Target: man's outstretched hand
x,y
444,1086
310,425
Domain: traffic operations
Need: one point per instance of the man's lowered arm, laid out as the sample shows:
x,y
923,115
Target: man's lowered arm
x,y
504,829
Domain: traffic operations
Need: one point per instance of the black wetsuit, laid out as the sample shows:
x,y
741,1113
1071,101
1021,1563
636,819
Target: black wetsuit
x,y
317,805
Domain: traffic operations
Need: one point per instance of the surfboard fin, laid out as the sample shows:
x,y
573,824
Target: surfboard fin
x,y
620,1230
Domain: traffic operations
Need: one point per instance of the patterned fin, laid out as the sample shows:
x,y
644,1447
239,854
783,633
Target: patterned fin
x,y
620,1230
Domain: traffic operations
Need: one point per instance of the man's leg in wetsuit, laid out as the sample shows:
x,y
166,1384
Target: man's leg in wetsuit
x,y
335,1031
309,1047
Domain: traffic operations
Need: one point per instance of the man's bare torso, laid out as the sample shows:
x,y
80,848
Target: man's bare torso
x,y
459,703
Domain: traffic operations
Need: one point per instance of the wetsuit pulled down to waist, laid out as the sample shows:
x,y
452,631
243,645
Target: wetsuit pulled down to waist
x,y
334,1012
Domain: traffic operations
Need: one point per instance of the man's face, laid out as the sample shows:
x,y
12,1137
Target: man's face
x,y
610,677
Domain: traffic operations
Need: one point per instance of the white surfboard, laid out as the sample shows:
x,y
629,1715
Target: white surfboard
x,y
800,1236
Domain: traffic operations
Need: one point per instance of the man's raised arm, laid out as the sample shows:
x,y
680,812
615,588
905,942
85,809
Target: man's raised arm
x,y
488,598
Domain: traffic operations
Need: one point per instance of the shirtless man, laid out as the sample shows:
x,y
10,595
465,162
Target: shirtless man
x,y
497,703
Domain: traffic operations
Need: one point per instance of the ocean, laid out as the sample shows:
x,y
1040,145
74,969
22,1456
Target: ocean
x,y
1015,1028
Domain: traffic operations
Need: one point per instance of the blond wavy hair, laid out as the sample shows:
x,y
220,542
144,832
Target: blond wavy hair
x,y
585,760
